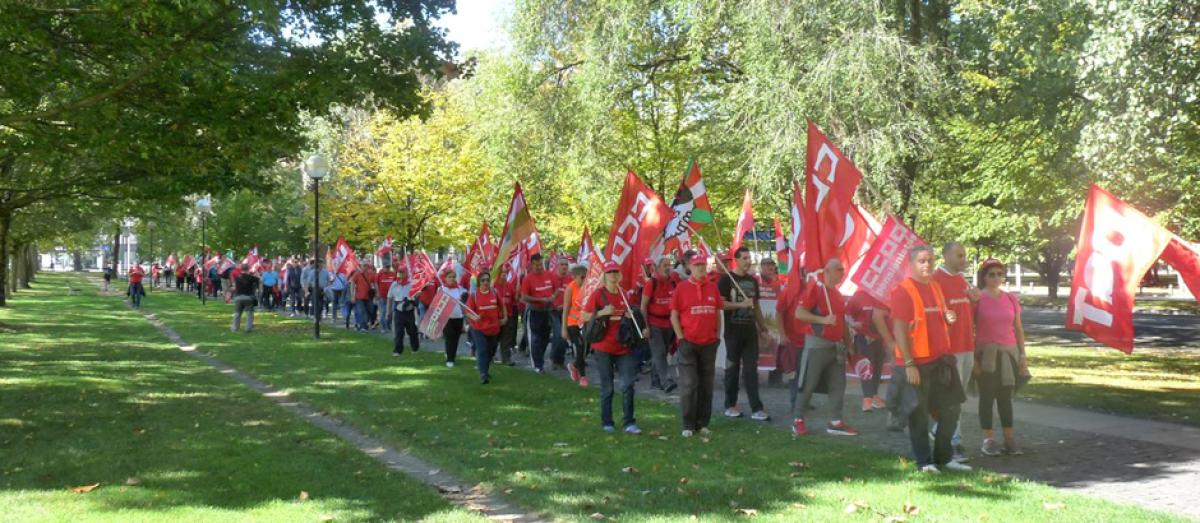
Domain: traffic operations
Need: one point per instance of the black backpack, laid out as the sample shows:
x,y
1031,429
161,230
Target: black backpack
x,y
629,334
595,329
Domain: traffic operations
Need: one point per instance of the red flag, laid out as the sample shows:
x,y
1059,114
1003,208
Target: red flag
x,y
886,263
586,247
342,259
830,182
251,256
438,313
862,230
595,275
519,229
482,253
796,261
188,262
1117,244
637,224
745,223
1184,257
171,261
420,269
385,248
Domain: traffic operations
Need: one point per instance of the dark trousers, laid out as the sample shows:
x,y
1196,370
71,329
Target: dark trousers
x,y
661,340
508,337
452,333
485,349
558,345
405,323
297,297
539,336
581,348
874,352
697,369
935,399
992,392
625,367
741,362
267,298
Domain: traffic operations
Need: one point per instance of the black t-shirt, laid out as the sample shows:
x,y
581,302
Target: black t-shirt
x,y
246,284
739,319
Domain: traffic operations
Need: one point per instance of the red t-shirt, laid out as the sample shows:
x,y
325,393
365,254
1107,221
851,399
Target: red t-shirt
x,y
507,295
540,285
698,306
860,307
362,287
814,300
136,274
237,271
902,310
609,343
954,289
659,308
487,306
769,290
560,285
383,280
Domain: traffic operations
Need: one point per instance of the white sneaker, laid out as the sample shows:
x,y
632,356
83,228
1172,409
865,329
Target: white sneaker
x,y
687,433
930,469
450,364
760,416
957,466
733,412
704,431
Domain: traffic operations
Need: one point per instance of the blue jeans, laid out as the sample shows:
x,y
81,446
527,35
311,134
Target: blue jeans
x,y
485,350
360,314
539,336
626,368
135,294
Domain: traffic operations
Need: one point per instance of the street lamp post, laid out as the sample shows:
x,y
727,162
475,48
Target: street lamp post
x,y
316,167
204,206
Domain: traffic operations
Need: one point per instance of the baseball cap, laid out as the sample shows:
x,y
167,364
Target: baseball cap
x,y
611,267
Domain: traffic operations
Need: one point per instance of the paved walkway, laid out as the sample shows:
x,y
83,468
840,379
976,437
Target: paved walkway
x,y
1148,463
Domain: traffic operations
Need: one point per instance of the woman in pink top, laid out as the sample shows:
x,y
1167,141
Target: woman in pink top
x,y
999,355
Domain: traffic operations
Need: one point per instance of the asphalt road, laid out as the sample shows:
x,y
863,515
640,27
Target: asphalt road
x,y
1150,330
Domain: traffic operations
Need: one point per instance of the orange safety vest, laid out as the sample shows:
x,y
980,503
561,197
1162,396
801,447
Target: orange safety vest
x,y
919,331
575,308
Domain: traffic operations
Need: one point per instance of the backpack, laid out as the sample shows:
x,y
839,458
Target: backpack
x,y
629,334
597,327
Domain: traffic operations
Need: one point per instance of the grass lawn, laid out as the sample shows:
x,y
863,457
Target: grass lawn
x,y
91,393
1151,383
1140,305
538,440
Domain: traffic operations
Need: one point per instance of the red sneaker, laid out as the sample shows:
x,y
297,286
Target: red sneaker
x,y
583,381
840,428
799,428
574,372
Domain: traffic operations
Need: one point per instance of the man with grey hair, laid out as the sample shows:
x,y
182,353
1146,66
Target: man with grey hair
x,y
245,288
960,297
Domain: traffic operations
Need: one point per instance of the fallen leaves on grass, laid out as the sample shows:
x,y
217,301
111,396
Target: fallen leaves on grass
x,y
598,516
1053,506
746,512
630,470
84,489
133,481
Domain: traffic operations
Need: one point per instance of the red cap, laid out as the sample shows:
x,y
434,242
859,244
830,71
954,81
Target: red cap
x,y
611,267
989,263
697,258
648,262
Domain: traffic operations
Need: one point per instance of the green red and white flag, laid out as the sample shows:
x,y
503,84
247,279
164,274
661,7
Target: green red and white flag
x,y
519,229
689,209
745,223
781,248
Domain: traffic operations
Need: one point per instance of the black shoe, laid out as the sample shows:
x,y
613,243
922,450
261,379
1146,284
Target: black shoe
x,y
670,388
485,380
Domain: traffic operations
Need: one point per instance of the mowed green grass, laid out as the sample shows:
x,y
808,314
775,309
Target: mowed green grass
x,y
91,393
538,440
1150,383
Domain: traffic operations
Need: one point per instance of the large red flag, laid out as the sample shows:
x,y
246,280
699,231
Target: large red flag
x,y
886,263
595,275
745,223
830,182
1184,257
1117,244
420,269
860,235
385,248
188,262
251,256
638,223
482,253
437,315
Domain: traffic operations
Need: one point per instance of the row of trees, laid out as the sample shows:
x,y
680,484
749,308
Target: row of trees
x,y
976,120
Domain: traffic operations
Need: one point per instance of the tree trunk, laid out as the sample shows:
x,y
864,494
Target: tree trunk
x,y
28,265
77,261
5,221
116,252
19,261
1049,266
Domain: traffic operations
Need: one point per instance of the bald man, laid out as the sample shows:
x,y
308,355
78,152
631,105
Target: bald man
x,y
825,348
960,298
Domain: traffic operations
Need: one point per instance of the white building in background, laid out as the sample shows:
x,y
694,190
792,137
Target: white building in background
x,y
59,258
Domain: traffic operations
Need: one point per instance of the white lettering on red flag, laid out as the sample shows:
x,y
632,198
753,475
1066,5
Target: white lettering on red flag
x,y
638,222
437,315
886,263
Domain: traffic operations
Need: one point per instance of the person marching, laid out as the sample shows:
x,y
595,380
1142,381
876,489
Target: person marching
x,y
961,297
486,313
609,304
537,293
656,308
999,356
402,301
573,324
508,300
696,320
825,348
136,291
245,287
871,339
743,322
454,326
921,321
558,342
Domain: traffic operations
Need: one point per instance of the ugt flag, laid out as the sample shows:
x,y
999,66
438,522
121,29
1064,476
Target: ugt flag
x,y
830,182
1117,244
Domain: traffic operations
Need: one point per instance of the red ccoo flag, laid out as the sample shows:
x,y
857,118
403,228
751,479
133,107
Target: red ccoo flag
x,y
637,224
